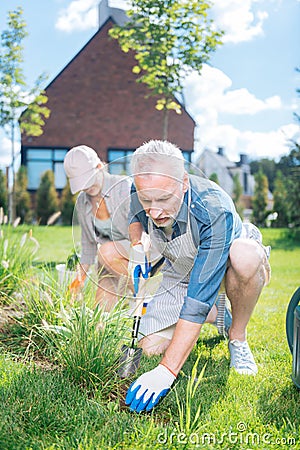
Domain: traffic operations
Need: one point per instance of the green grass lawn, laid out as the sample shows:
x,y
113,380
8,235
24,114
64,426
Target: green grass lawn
x,y
56,242
47,409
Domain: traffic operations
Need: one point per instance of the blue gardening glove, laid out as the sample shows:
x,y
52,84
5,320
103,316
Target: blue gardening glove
x,y
138,265
149,388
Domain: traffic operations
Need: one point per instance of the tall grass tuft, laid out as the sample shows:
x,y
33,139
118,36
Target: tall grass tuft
x,y
188,423
16,256
43,297
87,343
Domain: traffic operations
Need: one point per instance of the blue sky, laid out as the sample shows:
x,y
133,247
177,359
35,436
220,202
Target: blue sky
x,y
243,101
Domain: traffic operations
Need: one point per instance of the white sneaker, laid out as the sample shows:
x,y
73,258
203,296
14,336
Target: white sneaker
x,y
241,358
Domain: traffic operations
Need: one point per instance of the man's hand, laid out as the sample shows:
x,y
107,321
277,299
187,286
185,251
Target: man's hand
x,y
138,261
149,388
138,258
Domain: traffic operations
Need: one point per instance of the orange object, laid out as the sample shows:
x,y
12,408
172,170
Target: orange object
x,y
77,284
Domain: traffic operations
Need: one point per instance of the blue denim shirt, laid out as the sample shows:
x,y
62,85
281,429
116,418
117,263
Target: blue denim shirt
x,y
214,224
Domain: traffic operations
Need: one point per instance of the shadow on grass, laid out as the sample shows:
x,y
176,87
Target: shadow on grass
x,y
281,410
214,383
216,358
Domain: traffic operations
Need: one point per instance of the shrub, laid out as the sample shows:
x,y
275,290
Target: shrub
x,y
46,197
67,205
22,196
3,192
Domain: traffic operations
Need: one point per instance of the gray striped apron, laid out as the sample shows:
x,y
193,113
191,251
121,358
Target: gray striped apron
x,y
164,308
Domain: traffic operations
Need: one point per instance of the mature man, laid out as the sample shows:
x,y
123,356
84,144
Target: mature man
x,y
194,224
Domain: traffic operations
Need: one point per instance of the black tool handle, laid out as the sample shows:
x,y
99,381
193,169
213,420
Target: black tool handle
x,y
135,330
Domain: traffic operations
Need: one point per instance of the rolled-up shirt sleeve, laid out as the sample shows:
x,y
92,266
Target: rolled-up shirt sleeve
x,y
216,232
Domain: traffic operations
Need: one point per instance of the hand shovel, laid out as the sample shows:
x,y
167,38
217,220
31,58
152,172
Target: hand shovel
x,y
131,356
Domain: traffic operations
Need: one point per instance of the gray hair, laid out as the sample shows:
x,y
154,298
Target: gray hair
x,y
151,156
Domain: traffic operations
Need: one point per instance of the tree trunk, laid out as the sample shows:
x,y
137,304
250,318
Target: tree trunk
x,y
165,124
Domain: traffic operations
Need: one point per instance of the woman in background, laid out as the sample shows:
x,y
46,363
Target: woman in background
x,y
102,209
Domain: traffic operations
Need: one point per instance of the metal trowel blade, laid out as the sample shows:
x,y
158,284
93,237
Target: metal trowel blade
x,y
129,361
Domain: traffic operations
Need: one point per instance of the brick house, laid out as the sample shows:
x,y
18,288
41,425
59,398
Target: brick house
x,y
96,101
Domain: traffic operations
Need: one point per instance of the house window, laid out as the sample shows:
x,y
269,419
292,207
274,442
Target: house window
x,y
187,158
38,160
119,161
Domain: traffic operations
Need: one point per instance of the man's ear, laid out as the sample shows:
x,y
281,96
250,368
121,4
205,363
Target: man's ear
x,y
185,182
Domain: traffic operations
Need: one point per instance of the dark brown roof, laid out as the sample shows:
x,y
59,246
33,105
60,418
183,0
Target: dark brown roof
x,y
96,101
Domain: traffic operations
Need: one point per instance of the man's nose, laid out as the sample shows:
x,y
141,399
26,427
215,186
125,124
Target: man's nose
x,y
155,212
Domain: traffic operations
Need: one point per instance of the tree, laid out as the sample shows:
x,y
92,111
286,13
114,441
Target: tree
x,y
3,192
22,196
170,39
46,197
15,96
290,167
260,199
291,162
67,205
237,193
268,167
280,196
293,186
297,116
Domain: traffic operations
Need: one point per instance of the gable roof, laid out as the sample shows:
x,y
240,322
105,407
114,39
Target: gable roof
x,y
96,100
107,11
221,160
